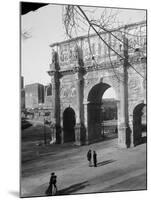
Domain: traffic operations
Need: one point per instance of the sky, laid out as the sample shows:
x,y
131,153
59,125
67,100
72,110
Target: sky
x,y
43,27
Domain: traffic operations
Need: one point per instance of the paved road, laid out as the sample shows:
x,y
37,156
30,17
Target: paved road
x,y
118,169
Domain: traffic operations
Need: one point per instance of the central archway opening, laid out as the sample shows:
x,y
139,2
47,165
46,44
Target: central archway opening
x,y
69,122
102,113
109,114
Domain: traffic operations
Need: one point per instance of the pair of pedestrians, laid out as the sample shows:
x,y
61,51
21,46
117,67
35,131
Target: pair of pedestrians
x,y
89,157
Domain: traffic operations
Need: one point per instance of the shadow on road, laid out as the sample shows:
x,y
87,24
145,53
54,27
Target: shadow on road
x,y
73,188
105,162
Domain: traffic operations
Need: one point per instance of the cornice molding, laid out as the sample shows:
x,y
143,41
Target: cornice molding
x,y
101,66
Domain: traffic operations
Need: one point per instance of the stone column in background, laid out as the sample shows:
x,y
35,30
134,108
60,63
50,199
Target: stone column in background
x,y
80,131
124,139
79,127
55,81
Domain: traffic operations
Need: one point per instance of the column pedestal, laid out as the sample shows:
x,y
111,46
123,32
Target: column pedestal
x,y
132,131
56,133
124,136
53,133
80,134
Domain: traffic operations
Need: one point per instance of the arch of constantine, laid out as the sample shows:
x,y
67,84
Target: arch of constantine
x,y
83,69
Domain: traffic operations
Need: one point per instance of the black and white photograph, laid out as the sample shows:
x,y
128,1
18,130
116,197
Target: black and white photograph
x,y
83,99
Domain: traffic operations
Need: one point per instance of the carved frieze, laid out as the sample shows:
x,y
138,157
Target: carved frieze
x,y
68,91
70,53
82,50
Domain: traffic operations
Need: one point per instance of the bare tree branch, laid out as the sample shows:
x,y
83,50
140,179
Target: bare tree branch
x,y
75,14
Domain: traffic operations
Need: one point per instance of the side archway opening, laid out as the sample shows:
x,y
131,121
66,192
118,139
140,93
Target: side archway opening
x,y
69,122
139,124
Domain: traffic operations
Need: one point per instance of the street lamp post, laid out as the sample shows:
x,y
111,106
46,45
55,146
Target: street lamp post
x,y
45,139
102,120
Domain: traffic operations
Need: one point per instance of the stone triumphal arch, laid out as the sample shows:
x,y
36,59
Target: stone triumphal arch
x,y
80,77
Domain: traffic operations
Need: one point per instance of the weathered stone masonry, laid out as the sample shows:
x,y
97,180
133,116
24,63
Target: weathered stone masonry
x,y
78,84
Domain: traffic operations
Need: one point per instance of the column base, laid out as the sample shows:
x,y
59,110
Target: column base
x,y
56,133
132,145
124,136
80,134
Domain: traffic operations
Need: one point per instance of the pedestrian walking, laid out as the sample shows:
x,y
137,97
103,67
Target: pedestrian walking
x,y
89,157
54,183
52,188
95,159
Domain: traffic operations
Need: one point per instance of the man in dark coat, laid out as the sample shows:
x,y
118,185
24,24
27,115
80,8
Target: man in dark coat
x,y
89,156
52,189
95,159
54,182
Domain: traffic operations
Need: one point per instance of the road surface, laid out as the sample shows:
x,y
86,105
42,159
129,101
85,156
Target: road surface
x,y
118,169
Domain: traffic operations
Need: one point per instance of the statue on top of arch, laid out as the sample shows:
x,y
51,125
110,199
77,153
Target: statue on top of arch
x,y
54,56
54,63
79,56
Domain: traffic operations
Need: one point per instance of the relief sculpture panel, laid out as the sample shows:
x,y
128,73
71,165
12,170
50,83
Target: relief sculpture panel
x,y
134,86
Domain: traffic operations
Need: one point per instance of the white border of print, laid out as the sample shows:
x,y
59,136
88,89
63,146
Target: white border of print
x,y
9,101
